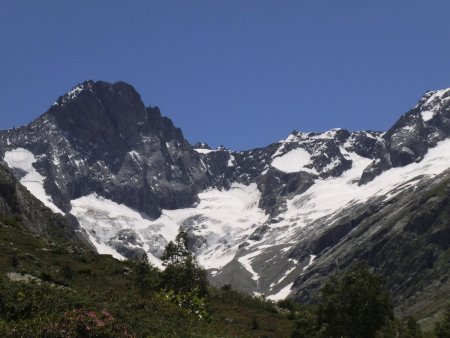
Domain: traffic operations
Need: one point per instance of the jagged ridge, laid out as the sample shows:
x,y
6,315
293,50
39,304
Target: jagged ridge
x,y
273,220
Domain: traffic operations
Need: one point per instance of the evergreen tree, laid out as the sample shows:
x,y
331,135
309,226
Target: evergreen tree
x,y
177,252
146,276
442,329
182,272
356,305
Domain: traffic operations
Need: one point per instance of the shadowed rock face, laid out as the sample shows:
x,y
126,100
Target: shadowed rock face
x,y
406,241
102,119
100,138
409,139
17,203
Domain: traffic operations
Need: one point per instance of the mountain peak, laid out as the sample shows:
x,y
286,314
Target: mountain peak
x,y
290,213
100,110
119,88
433,98
73,93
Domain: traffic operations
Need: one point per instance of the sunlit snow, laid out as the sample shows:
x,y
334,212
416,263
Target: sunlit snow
x,y
293,161
434,104
427,115
23,159
328,196
203,151
224,218
246,263
282,294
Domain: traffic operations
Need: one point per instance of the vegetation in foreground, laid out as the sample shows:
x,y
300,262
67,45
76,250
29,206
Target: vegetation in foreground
x,y
356,304
59,290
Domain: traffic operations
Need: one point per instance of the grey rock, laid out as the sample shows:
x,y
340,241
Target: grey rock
x,y
100,138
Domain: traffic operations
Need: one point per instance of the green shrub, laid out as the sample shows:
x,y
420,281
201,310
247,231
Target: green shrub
x,y
9,220
352,305
407,328
442,329
82,323
85,271
355,305
67,271
255,324
306,326
288,304
21,301
146,277
191,301
75,323
14,260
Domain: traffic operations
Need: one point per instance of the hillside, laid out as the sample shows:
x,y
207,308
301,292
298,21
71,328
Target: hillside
x,y
47,277
274,221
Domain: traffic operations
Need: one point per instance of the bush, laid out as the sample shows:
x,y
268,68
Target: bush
x,y
82,323
356,305
288,304
9,220
227,295
67,271
407,328
22,301
191,301
255,324
146,277
442,329
14,260
306,326
75,323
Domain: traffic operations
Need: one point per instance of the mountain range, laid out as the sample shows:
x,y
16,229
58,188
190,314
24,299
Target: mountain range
x,y
273,221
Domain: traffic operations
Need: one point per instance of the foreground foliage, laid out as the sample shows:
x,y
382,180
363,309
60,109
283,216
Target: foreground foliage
x,y
356,304
442,329
77,293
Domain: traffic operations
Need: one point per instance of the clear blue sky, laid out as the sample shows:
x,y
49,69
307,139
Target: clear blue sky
x,y
242,73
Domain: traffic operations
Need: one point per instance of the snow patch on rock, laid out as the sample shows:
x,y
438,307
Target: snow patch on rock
x,y
246,263
23,159
329,196
282,294
203,151
293,161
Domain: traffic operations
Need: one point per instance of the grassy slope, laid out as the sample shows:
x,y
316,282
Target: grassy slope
x,y
98,282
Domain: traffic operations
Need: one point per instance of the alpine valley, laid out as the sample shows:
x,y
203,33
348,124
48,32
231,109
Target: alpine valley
x,y
273,221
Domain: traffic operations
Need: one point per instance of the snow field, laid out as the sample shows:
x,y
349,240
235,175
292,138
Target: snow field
x,y
223,218
293,161
23,159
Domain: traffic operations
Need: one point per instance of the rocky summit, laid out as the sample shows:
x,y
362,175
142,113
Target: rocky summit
x,y
274,221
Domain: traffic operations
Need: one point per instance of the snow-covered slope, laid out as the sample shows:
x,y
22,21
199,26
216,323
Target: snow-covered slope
x,y
217,225
21,160
318,207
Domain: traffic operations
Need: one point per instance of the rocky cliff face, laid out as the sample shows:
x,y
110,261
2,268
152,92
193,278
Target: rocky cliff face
x,y
404,238
409,139
99,138
19,206
275,220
